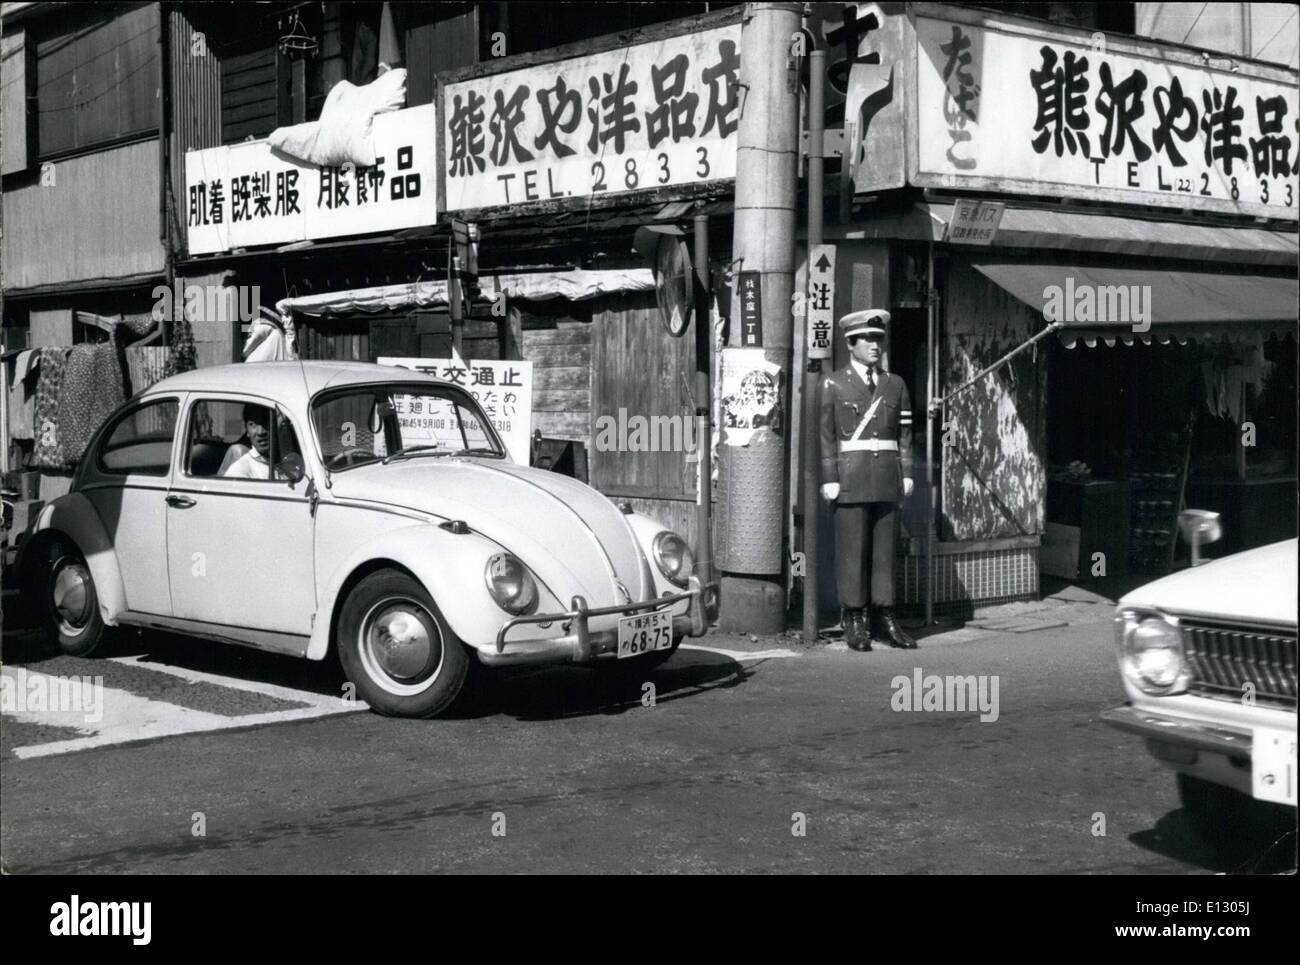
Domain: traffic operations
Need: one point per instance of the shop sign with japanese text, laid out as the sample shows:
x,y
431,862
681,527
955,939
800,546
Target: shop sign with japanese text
x,y
1004,107
647,116
247,194
503,389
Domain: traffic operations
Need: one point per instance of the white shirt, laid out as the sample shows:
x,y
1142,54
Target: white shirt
x,y
862,369
251,465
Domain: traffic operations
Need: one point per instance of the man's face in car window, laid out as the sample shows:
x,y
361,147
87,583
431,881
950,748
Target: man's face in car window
x,y
258,428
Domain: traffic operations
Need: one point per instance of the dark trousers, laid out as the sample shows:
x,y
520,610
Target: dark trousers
x,y
864,554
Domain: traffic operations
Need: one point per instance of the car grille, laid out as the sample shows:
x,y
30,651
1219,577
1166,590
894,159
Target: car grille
x,y
1225,658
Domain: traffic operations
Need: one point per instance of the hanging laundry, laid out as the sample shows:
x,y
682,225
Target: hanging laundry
x,y
22,394
271,338
92,390
48,453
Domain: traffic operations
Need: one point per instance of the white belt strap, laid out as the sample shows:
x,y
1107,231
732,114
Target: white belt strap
x,y
871,410
869,445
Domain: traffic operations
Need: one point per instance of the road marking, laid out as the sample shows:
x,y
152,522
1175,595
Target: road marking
x,y
741,654
125,717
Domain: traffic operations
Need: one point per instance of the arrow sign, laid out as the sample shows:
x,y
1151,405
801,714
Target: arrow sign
x,y
821,302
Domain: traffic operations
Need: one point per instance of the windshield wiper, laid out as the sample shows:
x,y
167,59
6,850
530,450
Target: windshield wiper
x,y
410,450
479,451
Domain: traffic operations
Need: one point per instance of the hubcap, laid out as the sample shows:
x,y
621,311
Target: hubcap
x,y
70,595
400,646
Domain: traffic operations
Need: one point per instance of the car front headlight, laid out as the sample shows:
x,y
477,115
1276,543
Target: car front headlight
x,y
673,557
511,585
1151,651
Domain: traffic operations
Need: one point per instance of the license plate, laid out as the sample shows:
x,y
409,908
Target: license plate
x,y
1273,765
645,633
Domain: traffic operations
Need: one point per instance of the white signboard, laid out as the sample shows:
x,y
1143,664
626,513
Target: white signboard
x,y
821,301
1062,117
975,222
503,389
655,114
248,194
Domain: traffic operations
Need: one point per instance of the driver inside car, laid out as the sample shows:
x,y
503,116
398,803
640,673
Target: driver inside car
x,y
254,464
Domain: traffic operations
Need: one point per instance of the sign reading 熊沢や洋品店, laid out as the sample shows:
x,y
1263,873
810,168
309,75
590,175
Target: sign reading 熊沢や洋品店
x,y
652,115
997,103
247,194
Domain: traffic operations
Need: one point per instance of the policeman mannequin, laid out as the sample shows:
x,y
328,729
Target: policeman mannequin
x,y
866,463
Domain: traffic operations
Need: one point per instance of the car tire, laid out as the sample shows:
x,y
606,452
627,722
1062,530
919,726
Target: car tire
x,y
70,605
397,649
1217,814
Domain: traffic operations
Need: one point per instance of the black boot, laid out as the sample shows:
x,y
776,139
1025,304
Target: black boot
x,y
894,634
855,630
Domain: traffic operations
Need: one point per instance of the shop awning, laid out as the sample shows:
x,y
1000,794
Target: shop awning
x,y
1062,229
573,285
1095,302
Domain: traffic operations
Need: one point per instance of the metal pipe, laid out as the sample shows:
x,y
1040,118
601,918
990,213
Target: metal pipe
x,y
816,189
1054,326
703,402
931,386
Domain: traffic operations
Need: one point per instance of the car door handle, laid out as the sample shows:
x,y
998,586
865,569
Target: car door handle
x,y
180,502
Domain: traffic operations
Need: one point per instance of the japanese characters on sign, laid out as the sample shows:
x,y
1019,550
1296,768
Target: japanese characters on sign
x,y
821,301
503,389
975,222
248,194
749,295
1053,116
655,114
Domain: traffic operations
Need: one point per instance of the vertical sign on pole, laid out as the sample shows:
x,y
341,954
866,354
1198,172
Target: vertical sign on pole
x,y
821,301
751,310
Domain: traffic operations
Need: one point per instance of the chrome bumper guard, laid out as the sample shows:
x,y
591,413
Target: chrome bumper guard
x,y
1180,731
581,645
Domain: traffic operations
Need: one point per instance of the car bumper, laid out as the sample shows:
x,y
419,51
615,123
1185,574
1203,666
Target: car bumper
x,y
580,644
1167,736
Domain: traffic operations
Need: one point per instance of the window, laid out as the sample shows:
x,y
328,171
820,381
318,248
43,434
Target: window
x,y
97,80
237,440
369,423
140,442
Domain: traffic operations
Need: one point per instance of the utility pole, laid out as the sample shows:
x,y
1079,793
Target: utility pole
x,y
753,477
816,169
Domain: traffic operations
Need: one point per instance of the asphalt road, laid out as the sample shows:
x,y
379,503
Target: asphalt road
x,y
565,771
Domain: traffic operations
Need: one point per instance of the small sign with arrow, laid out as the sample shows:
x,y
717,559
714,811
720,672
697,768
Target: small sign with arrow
x,y
821,301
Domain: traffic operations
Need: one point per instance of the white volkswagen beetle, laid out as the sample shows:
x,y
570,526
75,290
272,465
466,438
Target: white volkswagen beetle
x,y
298,506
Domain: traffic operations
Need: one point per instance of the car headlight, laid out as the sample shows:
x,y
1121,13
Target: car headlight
x,y
673,557
510,583
1151,652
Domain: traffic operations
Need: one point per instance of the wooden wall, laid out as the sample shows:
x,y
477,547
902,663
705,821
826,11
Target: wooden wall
x,y
98,220
994,476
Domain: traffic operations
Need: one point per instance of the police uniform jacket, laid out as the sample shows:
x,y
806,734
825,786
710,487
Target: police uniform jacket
x,y
865,476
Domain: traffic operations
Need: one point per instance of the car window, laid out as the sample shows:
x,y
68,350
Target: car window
x,y
238,440
140,442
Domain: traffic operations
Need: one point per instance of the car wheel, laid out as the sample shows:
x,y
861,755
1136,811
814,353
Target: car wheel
x,y
1217,814
71,606
398,650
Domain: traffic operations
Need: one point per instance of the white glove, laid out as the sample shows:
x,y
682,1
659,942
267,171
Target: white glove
x,y
907,487
831,491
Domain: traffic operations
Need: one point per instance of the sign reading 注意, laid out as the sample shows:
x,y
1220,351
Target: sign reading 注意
x,y
659,113
821,300
1002,107
247,194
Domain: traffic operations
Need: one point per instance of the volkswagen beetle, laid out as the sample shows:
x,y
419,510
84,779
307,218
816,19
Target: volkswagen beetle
x,y
303,506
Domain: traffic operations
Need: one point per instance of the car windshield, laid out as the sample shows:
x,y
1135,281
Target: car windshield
x,y
394,421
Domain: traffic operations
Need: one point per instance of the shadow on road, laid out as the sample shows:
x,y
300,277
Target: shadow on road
x,y
554,693
1267,846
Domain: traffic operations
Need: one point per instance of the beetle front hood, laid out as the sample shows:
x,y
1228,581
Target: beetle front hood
x,y
1256,586
571,536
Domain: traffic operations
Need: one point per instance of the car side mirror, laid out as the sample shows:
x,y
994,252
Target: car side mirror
x,y
1199,526
293,467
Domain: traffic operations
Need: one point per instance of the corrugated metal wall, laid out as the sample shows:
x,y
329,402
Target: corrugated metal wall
x,y
196,107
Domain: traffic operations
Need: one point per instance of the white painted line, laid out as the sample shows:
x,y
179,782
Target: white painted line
x,y
321,701
121,717
740,654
